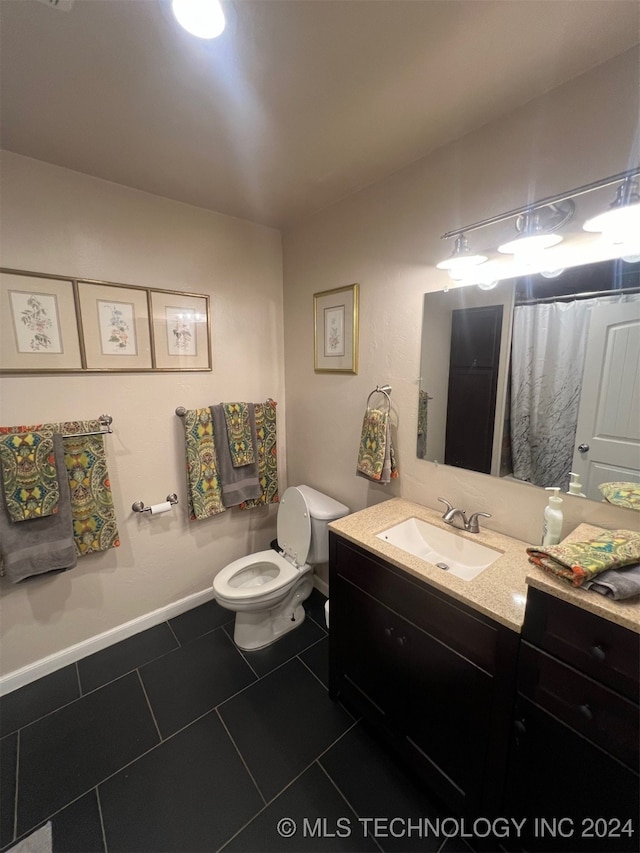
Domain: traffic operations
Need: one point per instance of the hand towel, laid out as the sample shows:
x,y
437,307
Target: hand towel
x,y
622,494
267,438
204,493
577,562
40,545
29,476
239,436
423,407
376,457
617,583
94,518
238,484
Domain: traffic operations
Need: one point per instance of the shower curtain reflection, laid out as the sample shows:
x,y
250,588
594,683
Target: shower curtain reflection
x,y
547,363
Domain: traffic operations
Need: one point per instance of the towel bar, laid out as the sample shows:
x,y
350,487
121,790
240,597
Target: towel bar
x,y
381,389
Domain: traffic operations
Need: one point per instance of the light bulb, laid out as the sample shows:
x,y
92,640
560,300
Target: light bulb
x,y
201,18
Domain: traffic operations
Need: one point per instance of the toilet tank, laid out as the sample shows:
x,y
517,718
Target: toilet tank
x,y
322,510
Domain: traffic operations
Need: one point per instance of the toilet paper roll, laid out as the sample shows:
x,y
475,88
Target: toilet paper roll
x,y
157,509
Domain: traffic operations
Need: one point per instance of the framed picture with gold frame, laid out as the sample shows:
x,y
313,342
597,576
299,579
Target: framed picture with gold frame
x,y
114,320
181,330
38,324
335,317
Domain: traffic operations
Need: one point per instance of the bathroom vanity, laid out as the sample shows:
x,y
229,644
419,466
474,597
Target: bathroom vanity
x,y
501,709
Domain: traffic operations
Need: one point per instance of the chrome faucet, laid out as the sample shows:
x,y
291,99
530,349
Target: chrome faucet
x,y
451,514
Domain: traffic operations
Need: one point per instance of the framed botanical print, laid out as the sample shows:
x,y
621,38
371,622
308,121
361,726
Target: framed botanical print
x,y
38,324
115,326
181,330
335,314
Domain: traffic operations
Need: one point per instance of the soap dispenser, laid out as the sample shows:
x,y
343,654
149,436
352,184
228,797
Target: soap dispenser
x,y
552,528
575,487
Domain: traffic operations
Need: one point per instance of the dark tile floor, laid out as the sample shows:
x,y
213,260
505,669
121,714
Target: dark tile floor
x,y
174,740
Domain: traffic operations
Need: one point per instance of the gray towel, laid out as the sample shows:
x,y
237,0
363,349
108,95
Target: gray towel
x,y
39,545
238,484
617,583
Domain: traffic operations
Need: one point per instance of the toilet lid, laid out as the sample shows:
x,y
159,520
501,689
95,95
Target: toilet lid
x,y
294,526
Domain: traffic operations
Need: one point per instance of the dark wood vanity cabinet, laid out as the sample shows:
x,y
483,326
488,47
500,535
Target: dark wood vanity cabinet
x,y
434,677
574,751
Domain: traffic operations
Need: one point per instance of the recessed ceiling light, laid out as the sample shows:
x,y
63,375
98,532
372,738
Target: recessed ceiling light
x,y
201,18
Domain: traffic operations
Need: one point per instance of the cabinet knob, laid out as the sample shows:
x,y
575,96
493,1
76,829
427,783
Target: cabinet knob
x,y
520,727
586,711
598,652
388,632
401,641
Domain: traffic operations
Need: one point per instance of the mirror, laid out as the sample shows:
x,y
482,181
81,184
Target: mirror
x,y
537,378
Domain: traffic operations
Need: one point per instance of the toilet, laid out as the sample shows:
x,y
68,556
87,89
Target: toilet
x,y
266,589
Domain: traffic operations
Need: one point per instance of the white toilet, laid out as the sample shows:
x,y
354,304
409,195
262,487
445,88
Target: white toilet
x,y
266,589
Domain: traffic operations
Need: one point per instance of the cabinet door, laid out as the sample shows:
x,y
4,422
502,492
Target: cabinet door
x,y
447,716
574,796
371,669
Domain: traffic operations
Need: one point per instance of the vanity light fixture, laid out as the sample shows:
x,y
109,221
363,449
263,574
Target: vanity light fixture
x,y
622,221
536,229
538,221
201,18
462,257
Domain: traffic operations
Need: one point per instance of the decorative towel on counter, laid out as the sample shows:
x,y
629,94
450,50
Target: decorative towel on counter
x,y
238,484
376,458
205,489
94,518
267,438
241,442
29,475
617,583
622,494
577,562
39,545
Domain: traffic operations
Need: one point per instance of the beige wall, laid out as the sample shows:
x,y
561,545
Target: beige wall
x,y
387,238
58,221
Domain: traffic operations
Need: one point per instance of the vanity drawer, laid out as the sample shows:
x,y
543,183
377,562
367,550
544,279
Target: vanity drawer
x,y
605,651
453,625
604,717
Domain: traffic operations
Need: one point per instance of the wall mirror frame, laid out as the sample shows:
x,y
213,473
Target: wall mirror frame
x,y
511,377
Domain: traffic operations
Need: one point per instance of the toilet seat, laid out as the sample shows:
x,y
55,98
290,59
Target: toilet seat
x,y
241,580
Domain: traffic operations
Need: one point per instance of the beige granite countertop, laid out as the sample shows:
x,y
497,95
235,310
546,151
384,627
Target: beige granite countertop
x,y
500,591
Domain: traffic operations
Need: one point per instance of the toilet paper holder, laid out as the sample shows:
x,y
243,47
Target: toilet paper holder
x,y
138,506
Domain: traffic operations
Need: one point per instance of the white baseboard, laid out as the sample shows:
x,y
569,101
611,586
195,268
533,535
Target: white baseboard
x,y
45,666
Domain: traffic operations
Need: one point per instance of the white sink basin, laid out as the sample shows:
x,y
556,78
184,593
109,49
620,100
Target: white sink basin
x,y
452,553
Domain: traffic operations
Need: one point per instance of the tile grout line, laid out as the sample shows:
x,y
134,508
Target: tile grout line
x,y
240,755
344,797
104,834
77,668
153,716
240,652
15,796
175,636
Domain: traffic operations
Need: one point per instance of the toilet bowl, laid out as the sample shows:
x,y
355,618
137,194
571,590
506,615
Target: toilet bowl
x,y
266,589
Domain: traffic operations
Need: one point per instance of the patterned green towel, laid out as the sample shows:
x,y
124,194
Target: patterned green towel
x,y
205,490
577,562
29,476
266,431
92,510
376,457
236,417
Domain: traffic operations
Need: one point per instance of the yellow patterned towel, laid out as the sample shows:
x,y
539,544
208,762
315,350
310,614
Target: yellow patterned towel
x,y
239,436
577,562
204,494
29,476
622,494
376,458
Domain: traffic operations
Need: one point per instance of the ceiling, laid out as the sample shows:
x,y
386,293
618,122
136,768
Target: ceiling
x,y
298,103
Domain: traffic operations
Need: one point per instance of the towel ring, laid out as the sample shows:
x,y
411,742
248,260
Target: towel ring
x,y
382,389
